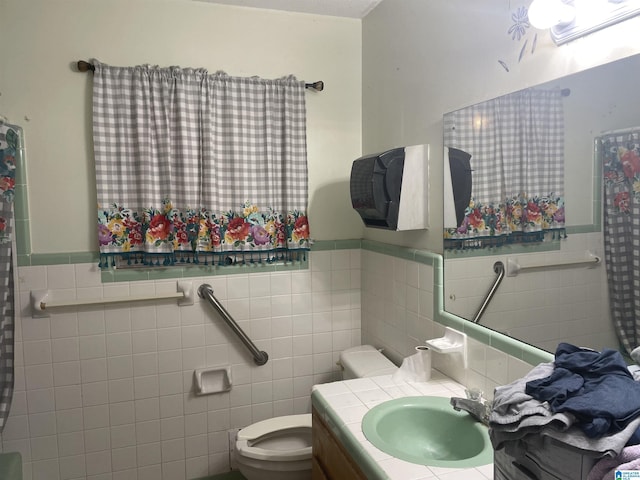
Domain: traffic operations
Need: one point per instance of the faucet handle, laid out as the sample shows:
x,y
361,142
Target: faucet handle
x,y
474,394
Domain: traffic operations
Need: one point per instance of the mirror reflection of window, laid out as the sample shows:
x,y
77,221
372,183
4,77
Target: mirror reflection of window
x,y
515,144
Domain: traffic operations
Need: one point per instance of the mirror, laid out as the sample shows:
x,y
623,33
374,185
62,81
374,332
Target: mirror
x,y
564,295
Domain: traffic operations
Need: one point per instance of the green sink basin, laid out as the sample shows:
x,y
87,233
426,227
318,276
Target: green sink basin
x,y
428,431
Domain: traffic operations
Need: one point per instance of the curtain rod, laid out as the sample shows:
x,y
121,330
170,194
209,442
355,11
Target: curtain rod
x,y
87,67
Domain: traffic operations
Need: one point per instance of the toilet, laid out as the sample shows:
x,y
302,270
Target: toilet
x,y
279,448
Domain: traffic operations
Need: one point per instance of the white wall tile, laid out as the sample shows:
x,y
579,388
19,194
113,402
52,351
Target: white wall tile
x,y
72,467
118,344
66,373
42,424
70,444
38,376
146,387
68,397
93,370
98,462
148,432
95,416
120,390
144,341
68,421
40,400
44,448
97,440
149,454
65,349
114,383
92,346
37,352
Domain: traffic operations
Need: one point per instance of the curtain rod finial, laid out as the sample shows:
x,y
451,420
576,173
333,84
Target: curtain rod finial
x,y
85,66
317,86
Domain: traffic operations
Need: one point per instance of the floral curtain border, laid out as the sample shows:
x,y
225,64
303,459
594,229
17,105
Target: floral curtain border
x,y
516,220
169,236
178,151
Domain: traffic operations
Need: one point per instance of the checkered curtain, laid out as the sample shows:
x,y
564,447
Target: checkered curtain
x,y
190,165
10,146
516,144
621,174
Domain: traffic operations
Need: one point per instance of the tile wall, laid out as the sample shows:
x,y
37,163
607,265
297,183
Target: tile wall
x,y
398,315
105,393
542,307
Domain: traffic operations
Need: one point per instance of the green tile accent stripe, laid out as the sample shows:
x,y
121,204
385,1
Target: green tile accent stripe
x,y
551,246
323,245
499,341
583,229
421,256
523,351
21,201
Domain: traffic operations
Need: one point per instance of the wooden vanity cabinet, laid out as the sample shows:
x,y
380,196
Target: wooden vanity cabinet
x,y
330,459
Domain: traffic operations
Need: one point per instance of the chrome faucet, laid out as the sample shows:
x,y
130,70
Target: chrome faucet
x,y
475,405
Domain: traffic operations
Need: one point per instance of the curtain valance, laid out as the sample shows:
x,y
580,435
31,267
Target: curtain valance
x,y
516,149
198,167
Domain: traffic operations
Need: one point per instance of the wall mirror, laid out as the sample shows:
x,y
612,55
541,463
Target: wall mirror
x,y
564,295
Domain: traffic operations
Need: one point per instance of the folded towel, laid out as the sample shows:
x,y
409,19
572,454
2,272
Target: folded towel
x,y
628,459
516,414
510,402
596,387
632,465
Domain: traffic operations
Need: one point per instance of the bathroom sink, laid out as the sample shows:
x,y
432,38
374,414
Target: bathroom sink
x,y
428,431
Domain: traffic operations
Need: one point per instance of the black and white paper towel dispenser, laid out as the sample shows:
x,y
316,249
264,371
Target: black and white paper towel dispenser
x,y
389,189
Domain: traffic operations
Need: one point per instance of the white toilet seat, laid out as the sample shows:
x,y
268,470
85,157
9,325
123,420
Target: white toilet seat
x,y
255,441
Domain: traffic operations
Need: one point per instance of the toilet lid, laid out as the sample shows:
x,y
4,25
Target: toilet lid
x,y
256,441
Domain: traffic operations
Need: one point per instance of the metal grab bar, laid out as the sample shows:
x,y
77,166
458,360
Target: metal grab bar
x,y
206,291
498,268
513,267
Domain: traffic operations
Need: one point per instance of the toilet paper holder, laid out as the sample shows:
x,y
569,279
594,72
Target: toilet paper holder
x,y
212,380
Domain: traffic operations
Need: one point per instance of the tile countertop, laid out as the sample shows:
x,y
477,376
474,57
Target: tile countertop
x,y
343,404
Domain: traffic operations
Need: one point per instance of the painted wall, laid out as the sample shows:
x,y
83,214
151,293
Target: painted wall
x,y
422,59
42,92
107,392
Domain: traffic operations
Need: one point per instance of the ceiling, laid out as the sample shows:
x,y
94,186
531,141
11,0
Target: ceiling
x,y
335,8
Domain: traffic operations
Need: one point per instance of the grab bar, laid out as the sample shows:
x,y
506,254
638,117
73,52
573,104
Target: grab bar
x,y
498,268
513,267
206,291
44,300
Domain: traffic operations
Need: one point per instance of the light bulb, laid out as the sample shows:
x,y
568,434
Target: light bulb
x,y
545,14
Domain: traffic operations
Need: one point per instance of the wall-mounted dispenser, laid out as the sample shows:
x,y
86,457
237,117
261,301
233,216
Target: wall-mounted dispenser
x,y
389,190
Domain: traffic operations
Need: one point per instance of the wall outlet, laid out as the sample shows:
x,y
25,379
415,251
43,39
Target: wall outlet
x,y
233,435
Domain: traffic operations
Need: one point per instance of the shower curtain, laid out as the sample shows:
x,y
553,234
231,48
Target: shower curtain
x,y
620,152
9,148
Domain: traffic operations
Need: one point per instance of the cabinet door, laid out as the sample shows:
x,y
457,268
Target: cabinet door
x,y
333,460
316,470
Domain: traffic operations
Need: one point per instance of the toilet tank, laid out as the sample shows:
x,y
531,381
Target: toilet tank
x,y
365,361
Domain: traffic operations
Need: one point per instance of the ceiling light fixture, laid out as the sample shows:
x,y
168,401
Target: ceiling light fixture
x,y
571,19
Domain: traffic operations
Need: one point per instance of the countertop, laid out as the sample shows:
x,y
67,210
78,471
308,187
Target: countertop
x,y
343,404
